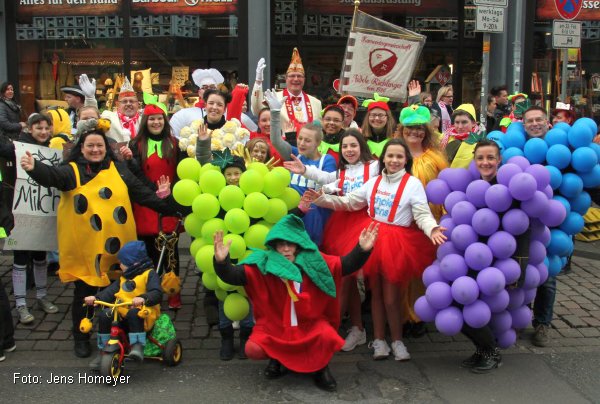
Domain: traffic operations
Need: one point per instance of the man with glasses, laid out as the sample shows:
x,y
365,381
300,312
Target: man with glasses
x,y
125,122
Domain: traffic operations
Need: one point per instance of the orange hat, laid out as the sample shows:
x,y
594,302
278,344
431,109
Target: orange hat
x,y
349,99
126,90
296,63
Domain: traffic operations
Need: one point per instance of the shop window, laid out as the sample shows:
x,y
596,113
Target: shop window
x,y
285,18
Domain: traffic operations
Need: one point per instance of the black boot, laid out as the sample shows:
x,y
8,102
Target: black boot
x,y
211,308
273,369
473,359
82,348
244,335
324,379
490,360
227,351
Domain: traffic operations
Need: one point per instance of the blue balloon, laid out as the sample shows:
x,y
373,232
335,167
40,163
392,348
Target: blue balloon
x,y
554,266
573,223
592,178
560,243
562,126
559,156
512,152
580,134
557,136
595,147
516,127
571,186
555,177
497,136
581,203
564,201
514,138
590,123
535,150
584,159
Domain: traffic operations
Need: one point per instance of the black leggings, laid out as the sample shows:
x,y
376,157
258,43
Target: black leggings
x,y
78,311
7,330
482,337
22,257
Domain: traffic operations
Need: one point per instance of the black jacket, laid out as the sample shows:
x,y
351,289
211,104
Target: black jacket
x,y
10,118
7,150
153,295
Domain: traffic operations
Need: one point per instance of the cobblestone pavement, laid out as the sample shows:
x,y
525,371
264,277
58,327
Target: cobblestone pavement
x,y
576,325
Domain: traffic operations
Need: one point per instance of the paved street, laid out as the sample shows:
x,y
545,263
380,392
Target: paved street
x,y
566,371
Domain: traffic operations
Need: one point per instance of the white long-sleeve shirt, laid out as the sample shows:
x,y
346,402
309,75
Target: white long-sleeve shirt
x,y
354,177
412,205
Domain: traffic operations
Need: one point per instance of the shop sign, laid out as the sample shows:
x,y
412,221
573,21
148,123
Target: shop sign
x,y
494,3
185,6
48,8
430,8
568,9
489,19
566,34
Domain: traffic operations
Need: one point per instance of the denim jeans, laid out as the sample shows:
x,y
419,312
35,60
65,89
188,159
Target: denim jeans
x,y
544,302
224,321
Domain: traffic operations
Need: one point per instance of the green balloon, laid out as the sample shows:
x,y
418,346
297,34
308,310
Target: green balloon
x,y
274,185
237,221
185,191
220,293
277,210
255,236
238,245
247,253
212,182
256,205
209,280
211,227
197,244
224,285
283,174
208,167
204,259
206,206
291,198
265,223
242,291
236,307
193,225
189,168
251,181
231,197
258,166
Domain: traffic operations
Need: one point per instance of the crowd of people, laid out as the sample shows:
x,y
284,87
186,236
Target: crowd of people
x,y
364,221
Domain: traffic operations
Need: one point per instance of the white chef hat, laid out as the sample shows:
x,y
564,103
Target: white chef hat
x,y
207,77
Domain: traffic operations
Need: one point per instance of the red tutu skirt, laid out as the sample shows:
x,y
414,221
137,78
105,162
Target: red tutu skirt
x,y
342,231
400,253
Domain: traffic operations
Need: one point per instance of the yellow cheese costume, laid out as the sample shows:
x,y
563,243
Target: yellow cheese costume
x,y
124,295
94,221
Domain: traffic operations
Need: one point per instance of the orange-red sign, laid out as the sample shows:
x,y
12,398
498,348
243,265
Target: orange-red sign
x,y
423,8
547,10
185,6
50,8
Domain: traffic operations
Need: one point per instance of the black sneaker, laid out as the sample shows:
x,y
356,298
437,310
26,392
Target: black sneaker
x,y
472,360
540,335
273,369
324,380
82,348
489,361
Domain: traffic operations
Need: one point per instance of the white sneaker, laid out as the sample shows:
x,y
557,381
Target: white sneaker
x,y
354,338
25,317
400,352
381,348
236,325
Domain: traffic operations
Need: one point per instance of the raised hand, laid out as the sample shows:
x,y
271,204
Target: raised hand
x,y
437,235
414,88
260,69
310,195
126,152
164,187
203,132
368,236
88,87
274,103
27,161
295,165
221,249
289,126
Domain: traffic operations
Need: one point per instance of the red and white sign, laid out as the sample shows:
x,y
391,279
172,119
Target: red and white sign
x,y
585,10
382,61
568,9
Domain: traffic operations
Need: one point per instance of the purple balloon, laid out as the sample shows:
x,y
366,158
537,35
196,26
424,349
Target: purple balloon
x,y
516,298
520,161
449,321
507,339
521,317
510,268
463,236
537,228
463,212
529,295
541,175
506,172
549,192
501,322
543,270
498,198
432,274
537,252
453,198
424,309
535,206
515,221
473,170
554,214
445,174
477,314
452,267
502,244
532,277
439,295
437,190
445,249
485,222
449,224
497,302
465,290
478,256
459,179
522,186
491,281
476,193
